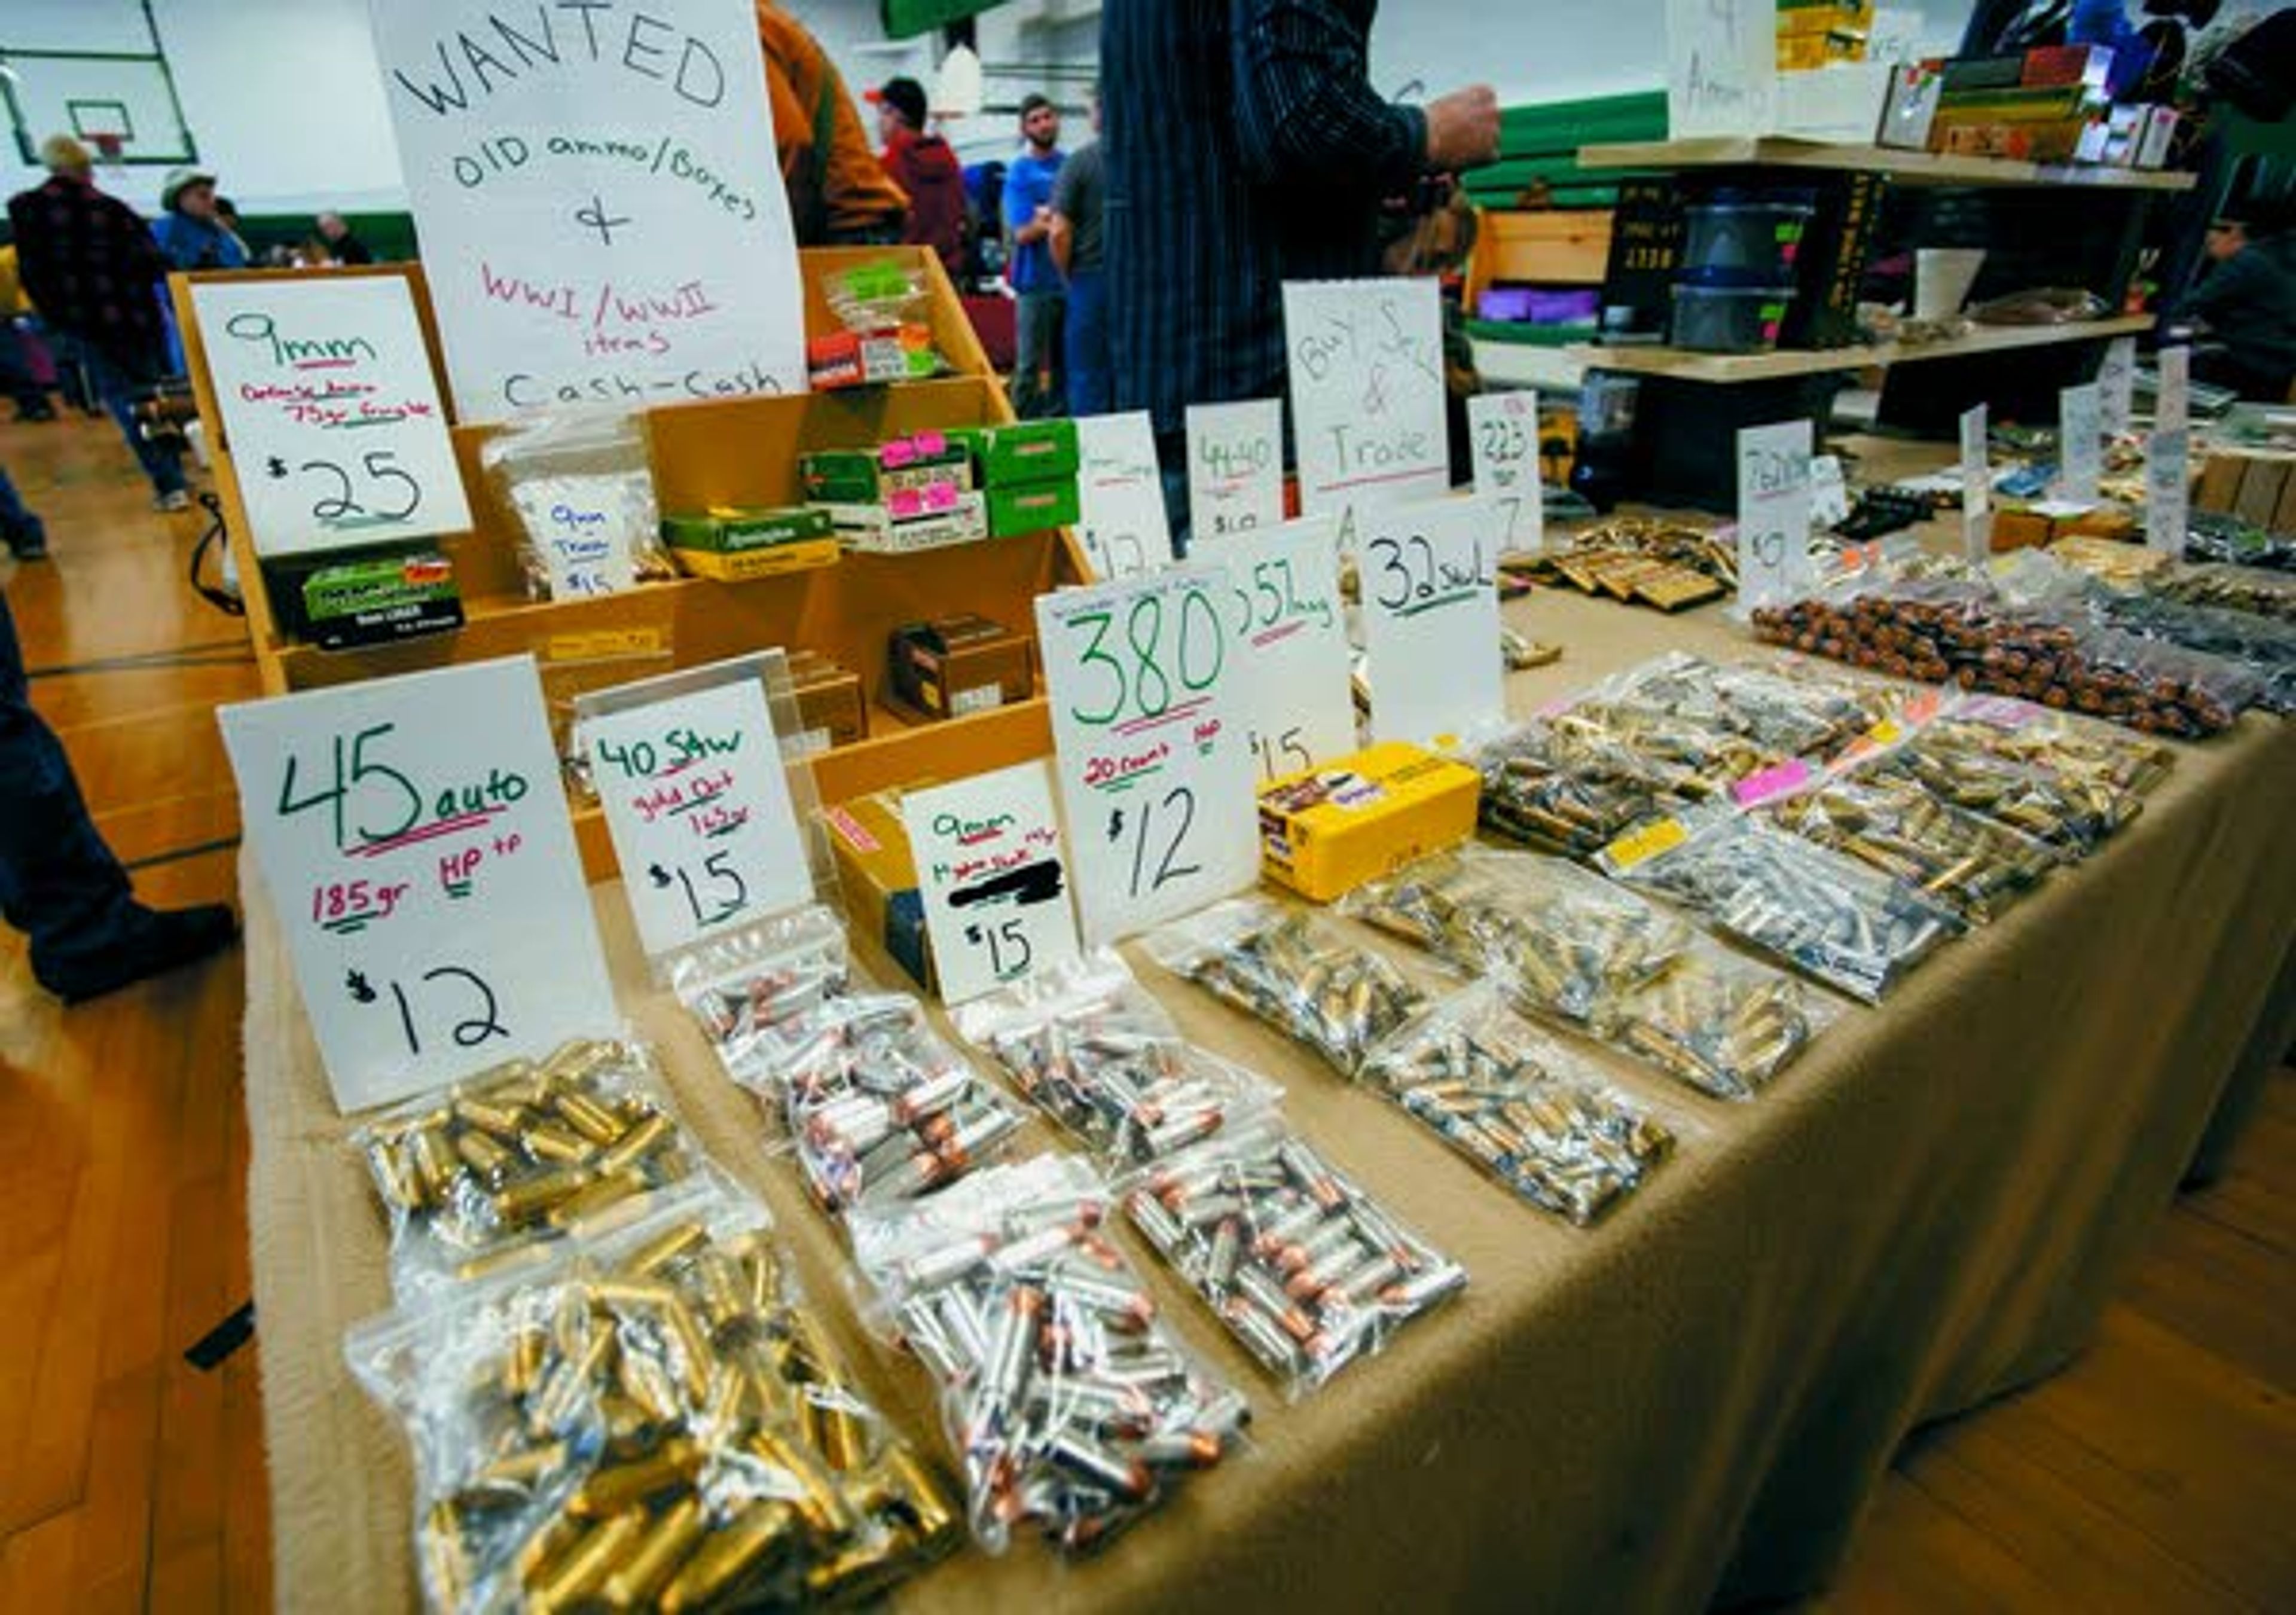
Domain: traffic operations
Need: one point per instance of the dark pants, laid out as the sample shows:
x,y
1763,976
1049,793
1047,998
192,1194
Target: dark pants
x,y
1037,390
119,385
59,883
1092,385
1172,462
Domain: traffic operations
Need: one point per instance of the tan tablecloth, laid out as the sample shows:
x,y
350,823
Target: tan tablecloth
x,y
1693,1399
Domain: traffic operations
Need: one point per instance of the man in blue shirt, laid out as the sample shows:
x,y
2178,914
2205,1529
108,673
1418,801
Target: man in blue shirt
x,y
1037,386
1246,147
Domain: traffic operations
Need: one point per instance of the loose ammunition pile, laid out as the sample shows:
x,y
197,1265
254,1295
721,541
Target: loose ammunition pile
x,y
1096,1054
1304,1267
659,1426
1825,915
1664,564
2041,777
1517,1104
1296,974
1561,939
880,1108
486,1173
1071,1406
1973,866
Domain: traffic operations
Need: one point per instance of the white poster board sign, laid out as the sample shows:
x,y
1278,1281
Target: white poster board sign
x,y
1976,486
2080,444
1829,492
993,877
413,836
1290,647
2173,409
331,411
1504,429
1430,611
2169,491
696,795
1123,524
1367,400
1236,468
1721,67
1154,768
2116,381
602,218
1774,471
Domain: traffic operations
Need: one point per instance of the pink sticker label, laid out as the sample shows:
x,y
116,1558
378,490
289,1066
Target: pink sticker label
x,y
850,830
941,496
904,503
1772,784
930,442
900,451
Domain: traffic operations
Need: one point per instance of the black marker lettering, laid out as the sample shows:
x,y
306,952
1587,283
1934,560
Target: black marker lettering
x,y
583,8
634,49
438,97
688,86
527,48
480,59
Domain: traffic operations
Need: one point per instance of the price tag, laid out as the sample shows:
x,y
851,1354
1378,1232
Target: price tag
x,y
1367,400
1773,559
1829,495
2115,383
993,877
1154,770
1124,528
582,531
2173,410
697,798
1236,468
1504,427
414,838
331,411
1430,611
2080,444
2168,490
1291,646
1976,487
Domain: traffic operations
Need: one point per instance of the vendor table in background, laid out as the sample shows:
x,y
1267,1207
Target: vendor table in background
x,y
1692,1400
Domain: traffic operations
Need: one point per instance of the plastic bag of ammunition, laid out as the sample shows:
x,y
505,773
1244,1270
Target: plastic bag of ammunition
x,y
757,992
2247,589
1298,972
1810,714
2061,781
1306,1269
1560,937
1724,1025
581,485
1830,917
1562,785
1086,1044
1070,1405
1975,867
1698,750
657,1422
880,1107
2256,646
489,1173
1512,1100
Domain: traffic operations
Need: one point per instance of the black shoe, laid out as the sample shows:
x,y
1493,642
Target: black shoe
x,y
28,540
152,941
42,411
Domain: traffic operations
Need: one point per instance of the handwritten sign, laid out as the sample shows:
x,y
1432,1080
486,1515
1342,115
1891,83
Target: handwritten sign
x,y
1774,558
1430,611
1721,67
1976,486
2080,443
1291,646
2172,410
414,838
993,879
1829,493
2168,490
1504,428
697,798
596,224
2116,379
1154,768
1367,400
1124,526
1236,468
332,412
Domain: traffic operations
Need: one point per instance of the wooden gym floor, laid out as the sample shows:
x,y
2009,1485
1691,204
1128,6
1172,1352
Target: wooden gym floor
x,y
2158,1472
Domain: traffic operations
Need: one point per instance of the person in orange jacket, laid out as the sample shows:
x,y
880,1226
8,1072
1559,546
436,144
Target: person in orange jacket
x,y
838,189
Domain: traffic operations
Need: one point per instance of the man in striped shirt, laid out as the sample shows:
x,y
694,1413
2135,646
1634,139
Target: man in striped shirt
x,y
1246,147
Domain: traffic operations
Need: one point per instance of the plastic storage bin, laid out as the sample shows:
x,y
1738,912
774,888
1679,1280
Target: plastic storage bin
x,y
1729,319
1756,240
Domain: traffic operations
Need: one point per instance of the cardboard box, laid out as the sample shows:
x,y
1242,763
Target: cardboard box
x,y
1831,266
738,527
1915,90
872,529
2159,132
879,879
850,358
955,666
871,476
1324,832
1033,507
770,561
832,710
375,600
2085,65
1022,451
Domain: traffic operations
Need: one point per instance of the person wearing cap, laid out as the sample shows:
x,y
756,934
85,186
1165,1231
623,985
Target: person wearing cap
x,y
94,269
921,164
342,244
2245,308
839,191
187,228
1037,390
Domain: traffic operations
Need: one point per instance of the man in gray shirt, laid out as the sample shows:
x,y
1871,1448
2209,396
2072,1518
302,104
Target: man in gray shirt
x,y
1076,236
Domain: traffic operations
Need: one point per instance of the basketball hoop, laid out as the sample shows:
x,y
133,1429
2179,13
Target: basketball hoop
x,y
109,147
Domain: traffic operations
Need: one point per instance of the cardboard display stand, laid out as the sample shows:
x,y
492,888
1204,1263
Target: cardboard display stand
x,y
735,451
